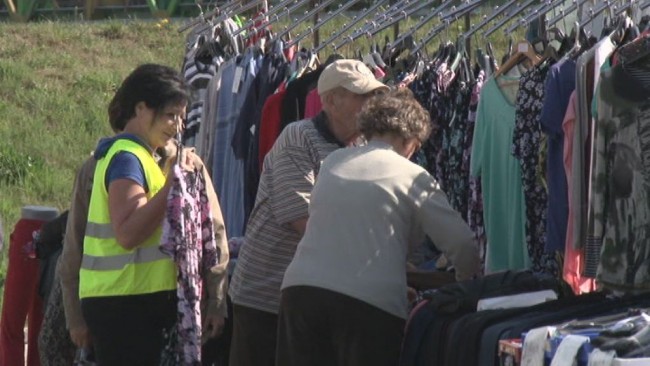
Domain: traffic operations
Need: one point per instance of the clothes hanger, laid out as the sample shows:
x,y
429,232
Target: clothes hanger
x,y
311,63
331,15
624,7
369,61
231,12
506,19
447,19
208,49
551,5
265,17
433,32
384,15
577,46
397,16
594,13
419,25
393,9
497,11
611,22
377,56
622,23
461,54
306,16
524,51
285,12
493,65
199,19
384,25
467,69
347,27
550,52
540,11
522,21
296,64
563,12
202,18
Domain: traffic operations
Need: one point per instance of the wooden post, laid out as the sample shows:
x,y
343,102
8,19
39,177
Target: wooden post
x,y
89,9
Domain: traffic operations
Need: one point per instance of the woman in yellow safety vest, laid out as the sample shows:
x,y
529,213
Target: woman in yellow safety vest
x,y
126,285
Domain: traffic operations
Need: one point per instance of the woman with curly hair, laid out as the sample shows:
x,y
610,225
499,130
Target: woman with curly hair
x,y
344,294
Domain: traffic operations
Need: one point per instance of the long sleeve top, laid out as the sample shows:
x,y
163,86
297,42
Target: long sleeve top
x,y
381,205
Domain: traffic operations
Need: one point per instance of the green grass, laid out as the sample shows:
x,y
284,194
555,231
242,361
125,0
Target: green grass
x,y
56,79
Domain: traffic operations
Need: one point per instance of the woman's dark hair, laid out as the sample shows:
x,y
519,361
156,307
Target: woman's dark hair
x,y
396,112
157,86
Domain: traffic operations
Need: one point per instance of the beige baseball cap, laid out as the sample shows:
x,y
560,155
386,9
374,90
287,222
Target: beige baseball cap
x,y
352,75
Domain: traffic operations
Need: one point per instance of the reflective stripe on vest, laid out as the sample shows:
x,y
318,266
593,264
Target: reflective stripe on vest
x,y
107,268
115,262
99,231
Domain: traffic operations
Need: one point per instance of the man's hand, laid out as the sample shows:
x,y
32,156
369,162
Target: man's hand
x,y
212,326
81,337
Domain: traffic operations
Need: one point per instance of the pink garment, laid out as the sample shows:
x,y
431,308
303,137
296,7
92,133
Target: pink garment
x,y
312,104
445,76
574,259
188,237
379,73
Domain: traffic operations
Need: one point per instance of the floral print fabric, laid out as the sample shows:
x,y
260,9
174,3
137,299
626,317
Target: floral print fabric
x,y
446,154
475,197
526,146
188,236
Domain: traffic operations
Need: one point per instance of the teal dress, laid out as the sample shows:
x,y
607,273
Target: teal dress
x,y
503,195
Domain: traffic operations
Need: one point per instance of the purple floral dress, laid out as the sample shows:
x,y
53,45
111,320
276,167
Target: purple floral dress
x,y
188,236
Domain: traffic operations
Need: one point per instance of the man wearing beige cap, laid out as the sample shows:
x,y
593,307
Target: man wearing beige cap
x,y
279,217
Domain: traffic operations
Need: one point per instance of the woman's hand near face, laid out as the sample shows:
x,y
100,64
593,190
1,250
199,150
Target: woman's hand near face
x,y
189,160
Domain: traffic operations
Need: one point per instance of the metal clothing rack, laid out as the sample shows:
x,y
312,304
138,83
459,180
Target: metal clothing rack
x,y
498,10
503,21
311,30
202,18
265,16
347,27
307,15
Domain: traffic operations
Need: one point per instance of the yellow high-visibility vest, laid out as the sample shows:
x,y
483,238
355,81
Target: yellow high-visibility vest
x,y
107,269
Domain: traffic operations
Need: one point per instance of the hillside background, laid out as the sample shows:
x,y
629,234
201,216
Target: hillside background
x,y
56,79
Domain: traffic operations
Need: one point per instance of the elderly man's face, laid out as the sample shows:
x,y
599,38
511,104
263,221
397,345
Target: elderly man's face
x,y
342,107
349,104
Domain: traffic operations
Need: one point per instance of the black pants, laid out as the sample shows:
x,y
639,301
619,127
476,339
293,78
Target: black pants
x,y
128,330
216,351
254,337
318,327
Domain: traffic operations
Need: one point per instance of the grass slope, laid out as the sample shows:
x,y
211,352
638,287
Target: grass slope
x,y
56,80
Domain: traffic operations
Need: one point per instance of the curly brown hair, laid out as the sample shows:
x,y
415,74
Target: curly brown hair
x,y
397,113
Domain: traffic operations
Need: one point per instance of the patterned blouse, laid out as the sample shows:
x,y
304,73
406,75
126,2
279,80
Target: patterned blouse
x,y
188,236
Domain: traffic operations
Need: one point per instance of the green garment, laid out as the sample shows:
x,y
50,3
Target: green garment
x,y
503,196
594,102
